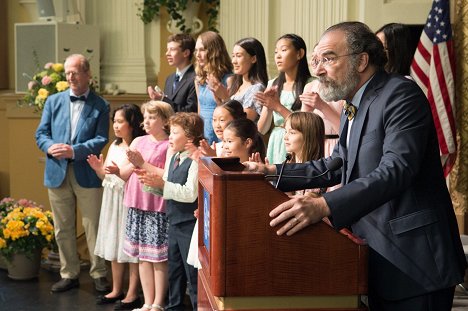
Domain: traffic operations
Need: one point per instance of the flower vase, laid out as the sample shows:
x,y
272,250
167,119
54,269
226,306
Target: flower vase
x,y
21,267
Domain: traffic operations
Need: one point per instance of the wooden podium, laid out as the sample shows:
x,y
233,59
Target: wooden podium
x,y
246,266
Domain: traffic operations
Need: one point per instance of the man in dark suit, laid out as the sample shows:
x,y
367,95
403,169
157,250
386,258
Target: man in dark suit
x,y
74,124
394,193
179,90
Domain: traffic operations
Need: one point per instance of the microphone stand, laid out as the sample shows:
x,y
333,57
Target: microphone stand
x,y
288,157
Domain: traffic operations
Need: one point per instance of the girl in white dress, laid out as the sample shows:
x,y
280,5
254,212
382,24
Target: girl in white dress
x,y
127,125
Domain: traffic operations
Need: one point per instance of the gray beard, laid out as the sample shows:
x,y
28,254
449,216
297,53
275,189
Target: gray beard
x,y
330,90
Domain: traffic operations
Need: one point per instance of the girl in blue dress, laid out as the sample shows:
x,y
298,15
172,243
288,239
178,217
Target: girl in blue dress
x,y
213,68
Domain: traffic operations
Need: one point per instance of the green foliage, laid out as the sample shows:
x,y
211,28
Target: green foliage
x,y
151,10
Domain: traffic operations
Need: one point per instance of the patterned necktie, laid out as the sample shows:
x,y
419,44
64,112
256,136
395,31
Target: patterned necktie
x,y
176,82
176,161
350,110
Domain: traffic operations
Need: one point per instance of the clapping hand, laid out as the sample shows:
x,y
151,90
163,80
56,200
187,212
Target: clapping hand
x,y
149,179
112,169
97,164
193,152
311,101
220,92
134,157
206,149
155,93
269,98
255,157
255,164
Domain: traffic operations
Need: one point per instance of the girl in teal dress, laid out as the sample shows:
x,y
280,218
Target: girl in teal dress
x,y
282,94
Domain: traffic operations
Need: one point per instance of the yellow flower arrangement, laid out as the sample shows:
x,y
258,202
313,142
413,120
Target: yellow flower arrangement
x,y
47,81
24,227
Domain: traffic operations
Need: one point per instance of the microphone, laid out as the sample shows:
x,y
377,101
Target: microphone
x,y
332,166
335,164
288,157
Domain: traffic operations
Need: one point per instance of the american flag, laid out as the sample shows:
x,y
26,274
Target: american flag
x,y
433,68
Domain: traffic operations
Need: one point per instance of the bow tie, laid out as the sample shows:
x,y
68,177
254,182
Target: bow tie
x,y
74,98
349,110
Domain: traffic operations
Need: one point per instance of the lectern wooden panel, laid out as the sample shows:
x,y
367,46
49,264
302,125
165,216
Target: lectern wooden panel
x,y
246,266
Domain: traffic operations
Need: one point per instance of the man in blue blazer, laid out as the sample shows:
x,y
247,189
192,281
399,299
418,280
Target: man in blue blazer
x,y
74,124
394,193
179,89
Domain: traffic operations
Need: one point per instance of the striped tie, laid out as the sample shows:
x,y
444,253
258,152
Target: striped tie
x,y
176,161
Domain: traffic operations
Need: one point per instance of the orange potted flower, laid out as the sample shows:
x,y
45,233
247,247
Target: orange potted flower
x,y
25,230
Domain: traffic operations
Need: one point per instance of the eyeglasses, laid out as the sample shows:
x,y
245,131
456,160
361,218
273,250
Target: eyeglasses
x,y
73,73
327,61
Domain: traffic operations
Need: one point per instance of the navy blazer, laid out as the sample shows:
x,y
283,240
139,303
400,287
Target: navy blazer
x,y
394,193
92,134
184,97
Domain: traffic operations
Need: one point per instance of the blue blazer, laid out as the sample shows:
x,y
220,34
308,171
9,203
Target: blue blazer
x,y
92,134
394,193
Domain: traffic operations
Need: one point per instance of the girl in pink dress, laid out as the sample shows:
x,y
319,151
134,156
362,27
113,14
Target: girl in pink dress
x,y
146,228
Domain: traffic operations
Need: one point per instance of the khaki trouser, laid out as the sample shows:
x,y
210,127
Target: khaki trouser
x,y
64,201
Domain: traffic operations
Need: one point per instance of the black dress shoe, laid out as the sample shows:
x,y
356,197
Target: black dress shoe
x,y
101,284
102,299
119,305
65,284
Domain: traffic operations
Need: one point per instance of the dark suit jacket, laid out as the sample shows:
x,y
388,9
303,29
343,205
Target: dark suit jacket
x,y
394,194
92,134
184,98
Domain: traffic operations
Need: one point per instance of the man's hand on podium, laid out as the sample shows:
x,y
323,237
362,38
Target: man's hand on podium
x,y
298,213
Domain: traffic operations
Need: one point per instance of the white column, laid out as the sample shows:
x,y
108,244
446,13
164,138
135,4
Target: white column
x,y
127,45
246,18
